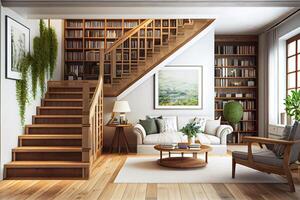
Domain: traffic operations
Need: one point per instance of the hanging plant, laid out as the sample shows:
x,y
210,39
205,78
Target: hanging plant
x,y
22,86
40,64
53,46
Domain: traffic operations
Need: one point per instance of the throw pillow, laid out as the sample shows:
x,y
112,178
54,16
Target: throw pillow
x,y
149,125
278,149
295,135
170,124
212,126
160,123
201,123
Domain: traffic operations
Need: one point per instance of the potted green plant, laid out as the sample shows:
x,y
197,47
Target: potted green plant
x,y
191,130
233,113
292,105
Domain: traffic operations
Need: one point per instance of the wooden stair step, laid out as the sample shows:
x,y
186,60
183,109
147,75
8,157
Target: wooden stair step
x,y
47,149
62,102
49,153
53,129
46,169
50,140
54,110
57,119
66,95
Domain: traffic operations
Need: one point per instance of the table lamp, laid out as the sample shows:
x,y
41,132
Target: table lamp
x,y
121,107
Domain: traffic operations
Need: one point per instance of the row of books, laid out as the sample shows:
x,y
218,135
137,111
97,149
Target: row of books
x,y
114,23
233,83
233,72
113,33
249,116
94,33
125,56
243,62
247,105
92,55
74,55
239,50
74,44
238,95
75,69
74,33
91,44
74,23
130,24
95,24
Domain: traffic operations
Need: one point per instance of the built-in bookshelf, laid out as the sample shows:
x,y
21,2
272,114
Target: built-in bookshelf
x,y
236,61
83,39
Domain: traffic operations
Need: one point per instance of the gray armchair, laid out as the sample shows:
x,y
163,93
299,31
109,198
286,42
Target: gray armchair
x,y
267,160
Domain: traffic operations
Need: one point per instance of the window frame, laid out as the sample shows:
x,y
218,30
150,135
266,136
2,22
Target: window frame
x,y
295,39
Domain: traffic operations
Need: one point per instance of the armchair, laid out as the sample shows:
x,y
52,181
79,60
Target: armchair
x,y
266,160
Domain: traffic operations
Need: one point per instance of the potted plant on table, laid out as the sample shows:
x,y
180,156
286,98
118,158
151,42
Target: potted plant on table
x,y
191,130
292,105
233,113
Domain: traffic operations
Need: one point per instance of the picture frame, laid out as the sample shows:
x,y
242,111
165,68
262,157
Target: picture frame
x,y
17,46
178,87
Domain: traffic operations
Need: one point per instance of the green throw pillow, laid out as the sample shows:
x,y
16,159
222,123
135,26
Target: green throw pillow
x,y
149,126
160,123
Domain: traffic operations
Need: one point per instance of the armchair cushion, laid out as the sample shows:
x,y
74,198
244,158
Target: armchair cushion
x,y
212,126
278,149
263,156
165,138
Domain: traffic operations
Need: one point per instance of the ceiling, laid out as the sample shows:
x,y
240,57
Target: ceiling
x,y
229,20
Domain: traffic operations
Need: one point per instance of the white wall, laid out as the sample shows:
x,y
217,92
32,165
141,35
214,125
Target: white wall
x,y
141,99
10,121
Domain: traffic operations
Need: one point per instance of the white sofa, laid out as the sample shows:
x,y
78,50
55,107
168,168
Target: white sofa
x,y
145,143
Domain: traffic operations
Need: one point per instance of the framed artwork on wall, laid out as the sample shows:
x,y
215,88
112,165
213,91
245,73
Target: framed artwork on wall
x,y
178,87
17,46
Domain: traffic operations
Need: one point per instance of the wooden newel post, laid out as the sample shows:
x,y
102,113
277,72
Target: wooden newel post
x,y
86,135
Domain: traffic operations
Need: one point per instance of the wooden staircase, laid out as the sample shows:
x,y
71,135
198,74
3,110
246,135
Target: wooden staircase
x,y
163,46
58,143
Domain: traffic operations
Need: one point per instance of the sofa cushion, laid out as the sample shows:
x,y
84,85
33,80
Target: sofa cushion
x,y
161,125
212,126
149,125
208,139
165,138
263,156
201,122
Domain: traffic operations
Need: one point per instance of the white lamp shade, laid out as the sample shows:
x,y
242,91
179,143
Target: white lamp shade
x,y
121,107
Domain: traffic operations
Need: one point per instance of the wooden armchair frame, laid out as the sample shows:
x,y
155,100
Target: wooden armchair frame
x,y
280,170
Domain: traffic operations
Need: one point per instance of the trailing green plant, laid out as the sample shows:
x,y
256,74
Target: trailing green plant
x,y
191,129
292,105
53,47
40,64
22,86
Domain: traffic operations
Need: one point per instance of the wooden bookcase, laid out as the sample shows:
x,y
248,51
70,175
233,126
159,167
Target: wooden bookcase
x,y
236,79
83,39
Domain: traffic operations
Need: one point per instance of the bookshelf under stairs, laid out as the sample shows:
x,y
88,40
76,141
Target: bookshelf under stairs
x,y
66,135
236,79
132,47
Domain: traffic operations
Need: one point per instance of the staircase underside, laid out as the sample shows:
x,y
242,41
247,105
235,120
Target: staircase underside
x,y
185,34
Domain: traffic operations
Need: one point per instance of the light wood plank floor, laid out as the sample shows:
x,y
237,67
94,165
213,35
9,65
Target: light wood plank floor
x,y
101,186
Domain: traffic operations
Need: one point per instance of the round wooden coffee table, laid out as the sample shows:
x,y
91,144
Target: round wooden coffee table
x,y
183,162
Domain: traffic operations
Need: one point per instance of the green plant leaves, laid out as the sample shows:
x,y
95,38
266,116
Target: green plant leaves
x,y
191,129
292,105
40,64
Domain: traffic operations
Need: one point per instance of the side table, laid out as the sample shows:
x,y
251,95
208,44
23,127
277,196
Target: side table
x,y
119,135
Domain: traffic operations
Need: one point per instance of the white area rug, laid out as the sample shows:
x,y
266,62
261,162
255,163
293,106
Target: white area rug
x,y
218,170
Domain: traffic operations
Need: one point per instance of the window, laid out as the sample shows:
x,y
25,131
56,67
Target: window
x,y
293,64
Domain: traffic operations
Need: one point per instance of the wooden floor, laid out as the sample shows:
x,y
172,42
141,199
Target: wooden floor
x,y
101,186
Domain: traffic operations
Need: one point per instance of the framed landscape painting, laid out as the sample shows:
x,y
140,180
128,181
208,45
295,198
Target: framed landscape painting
x,y
17,46
179,87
